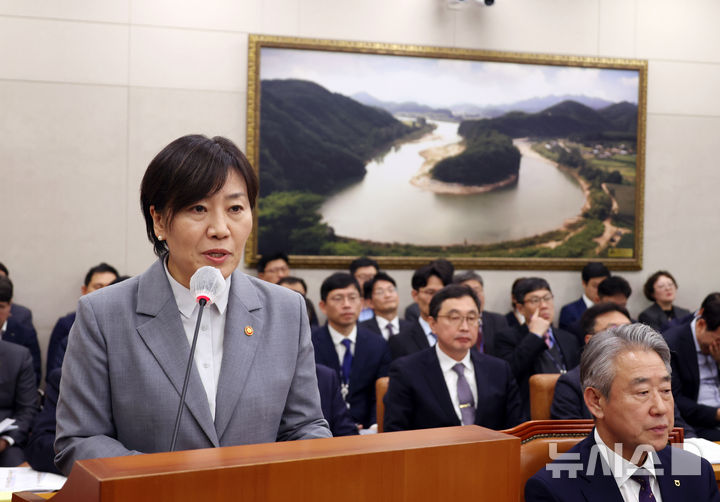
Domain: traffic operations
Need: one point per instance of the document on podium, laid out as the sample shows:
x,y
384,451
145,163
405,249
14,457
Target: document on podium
x,y
24,479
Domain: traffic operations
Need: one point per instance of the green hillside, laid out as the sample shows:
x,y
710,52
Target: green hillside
x,y
318,141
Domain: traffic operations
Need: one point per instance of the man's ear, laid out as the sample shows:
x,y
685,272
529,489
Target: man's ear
x,y
433,324
595,402
321,304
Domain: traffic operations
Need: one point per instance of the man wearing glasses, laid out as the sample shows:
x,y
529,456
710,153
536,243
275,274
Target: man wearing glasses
x,y
450,384
382,296
536,346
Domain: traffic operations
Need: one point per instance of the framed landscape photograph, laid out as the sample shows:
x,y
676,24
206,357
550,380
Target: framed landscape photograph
x,y
410,153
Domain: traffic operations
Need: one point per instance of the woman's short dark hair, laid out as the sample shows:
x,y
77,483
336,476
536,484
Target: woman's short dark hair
x,y
188,170
649,287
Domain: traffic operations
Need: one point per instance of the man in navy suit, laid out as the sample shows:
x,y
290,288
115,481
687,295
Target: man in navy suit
x,y
696,352
14,332
426,281
358,356
592,275
333,407
536,346
96,278
450,384
627,388
381,294
491,323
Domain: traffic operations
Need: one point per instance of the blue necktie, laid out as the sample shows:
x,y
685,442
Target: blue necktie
x,y
346,362
646,494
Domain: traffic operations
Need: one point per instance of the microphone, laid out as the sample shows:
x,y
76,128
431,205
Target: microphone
x,y
206,283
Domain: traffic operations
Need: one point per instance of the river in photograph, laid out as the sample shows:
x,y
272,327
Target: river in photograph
x,y
386,207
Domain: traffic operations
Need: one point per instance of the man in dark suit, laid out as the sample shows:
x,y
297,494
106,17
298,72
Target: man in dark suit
x,y
20,314
626,377
451,384
39,450
96,278
695,349
14,332
381,294
536,347
491,323
426,281
592,275
358,356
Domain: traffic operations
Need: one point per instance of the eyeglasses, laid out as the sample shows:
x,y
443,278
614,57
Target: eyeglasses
x,y
277,270
456,319
428,292
664,285
535,300
352,298
383,291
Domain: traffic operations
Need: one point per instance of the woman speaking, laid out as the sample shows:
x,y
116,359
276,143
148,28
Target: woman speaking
x,y
253,378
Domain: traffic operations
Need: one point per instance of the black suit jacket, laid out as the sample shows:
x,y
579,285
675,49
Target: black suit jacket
x,y
58,343
18,389
370,362
372,325
409,341
522,349
39,451
686,378
492,324
654,316
592,485
333,407
27,337
417,397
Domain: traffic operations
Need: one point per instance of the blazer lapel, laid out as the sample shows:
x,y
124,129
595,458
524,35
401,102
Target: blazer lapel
x,y
597,486
238,348
436,381
419,337
325,349
164,336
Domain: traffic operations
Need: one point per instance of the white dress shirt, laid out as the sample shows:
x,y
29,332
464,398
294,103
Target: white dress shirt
x,y
451,378
338,338
383,324
209,348
622,470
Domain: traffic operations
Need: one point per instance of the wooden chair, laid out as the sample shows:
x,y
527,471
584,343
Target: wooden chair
x,y
381,386
537,435
542,388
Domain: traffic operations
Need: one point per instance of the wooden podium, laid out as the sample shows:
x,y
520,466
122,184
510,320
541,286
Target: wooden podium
x,y
453,463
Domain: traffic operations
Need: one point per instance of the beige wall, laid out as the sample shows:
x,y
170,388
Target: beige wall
x,y
90,91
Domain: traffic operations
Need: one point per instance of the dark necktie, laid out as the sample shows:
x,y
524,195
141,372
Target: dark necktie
x,y
646,494
390,330
465,397
346,362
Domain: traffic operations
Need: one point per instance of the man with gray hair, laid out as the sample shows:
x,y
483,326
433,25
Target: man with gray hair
x,y
625,374
490,322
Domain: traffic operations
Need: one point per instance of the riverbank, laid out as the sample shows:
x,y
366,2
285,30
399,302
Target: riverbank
x,y
432,156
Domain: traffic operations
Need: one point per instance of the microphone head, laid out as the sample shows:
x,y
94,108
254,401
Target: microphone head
x,y
206,283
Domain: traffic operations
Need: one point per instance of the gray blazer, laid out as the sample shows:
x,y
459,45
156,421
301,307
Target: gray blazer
x,y
125,365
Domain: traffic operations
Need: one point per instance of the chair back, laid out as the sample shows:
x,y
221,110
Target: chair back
x,y
381,386
542,389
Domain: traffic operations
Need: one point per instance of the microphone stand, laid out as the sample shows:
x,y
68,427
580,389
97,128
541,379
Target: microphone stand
x,y
202,301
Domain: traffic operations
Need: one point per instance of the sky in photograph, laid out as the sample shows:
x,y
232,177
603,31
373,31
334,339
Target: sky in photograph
x,y
444,82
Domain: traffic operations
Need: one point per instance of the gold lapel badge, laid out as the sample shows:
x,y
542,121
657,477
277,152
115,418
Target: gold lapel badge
x,y
249,331
677,482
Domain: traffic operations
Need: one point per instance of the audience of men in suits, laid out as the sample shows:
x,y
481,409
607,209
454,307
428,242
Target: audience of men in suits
x,y
298,284
695,347
592,275
20,333
20,314
18,386
97,277
426,281
381,295
450,384
536,347
357,355
273,267
625,373
660,288
490,323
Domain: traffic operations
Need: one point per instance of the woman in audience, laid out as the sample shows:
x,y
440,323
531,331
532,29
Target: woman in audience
x,y
660,288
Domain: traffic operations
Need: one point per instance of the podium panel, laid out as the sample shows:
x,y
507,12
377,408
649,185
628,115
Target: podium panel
x,y
413,466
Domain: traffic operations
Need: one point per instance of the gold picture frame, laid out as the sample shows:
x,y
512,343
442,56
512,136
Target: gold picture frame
x,y
544,169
